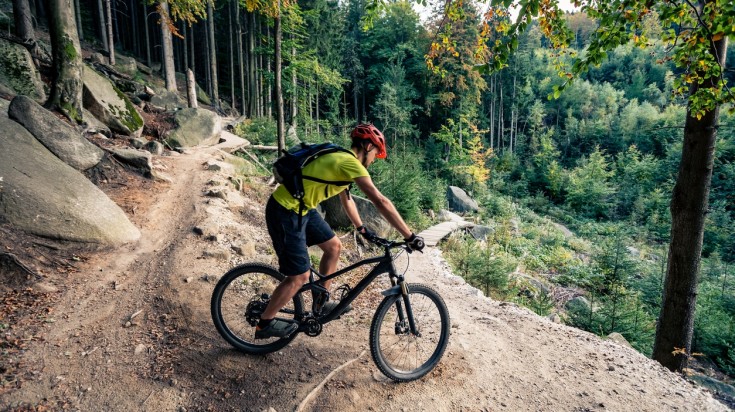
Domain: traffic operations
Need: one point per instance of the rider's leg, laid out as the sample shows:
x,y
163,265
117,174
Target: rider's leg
x,y
328,264
283,293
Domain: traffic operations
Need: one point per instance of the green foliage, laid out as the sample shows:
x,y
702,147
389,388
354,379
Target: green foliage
x,y
542,303
260,131
622,312
714,323
402,180
485,266
590,190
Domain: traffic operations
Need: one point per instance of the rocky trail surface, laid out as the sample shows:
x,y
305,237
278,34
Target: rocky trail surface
x,y
130,329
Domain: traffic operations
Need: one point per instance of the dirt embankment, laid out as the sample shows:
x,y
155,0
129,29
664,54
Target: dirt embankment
x,y
130,330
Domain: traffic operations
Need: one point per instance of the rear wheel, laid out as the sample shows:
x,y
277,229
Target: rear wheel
x,y
398,353
239,299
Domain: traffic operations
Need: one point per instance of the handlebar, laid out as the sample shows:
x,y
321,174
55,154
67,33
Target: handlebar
x,y
391,244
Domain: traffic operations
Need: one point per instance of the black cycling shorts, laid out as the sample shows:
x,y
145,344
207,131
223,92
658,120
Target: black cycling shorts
x,y
290,242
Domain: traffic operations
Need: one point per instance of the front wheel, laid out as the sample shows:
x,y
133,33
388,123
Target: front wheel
x,y
239,299
400,354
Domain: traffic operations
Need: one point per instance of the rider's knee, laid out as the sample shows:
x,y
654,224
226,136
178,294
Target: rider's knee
x,y
333,247
299,279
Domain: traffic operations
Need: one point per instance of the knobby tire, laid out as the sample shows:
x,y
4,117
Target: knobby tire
x,y
232,294
399,354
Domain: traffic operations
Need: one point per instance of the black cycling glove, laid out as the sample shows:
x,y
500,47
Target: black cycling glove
x,y
366,233
415,242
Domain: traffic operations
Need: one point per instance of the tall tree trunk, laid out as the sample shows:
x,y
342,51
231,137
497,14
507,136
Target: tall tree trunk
x,y
354,98
23,21
279,89
268,93
193,50
79,20
110,40
501,138
102,29
185,34
261,96
513,108
40,12
294,85
492,111
136,27
66,89
148,60
207,64
316,109
168,48
232,61
240,62
252,86
213,55
115,21
672,346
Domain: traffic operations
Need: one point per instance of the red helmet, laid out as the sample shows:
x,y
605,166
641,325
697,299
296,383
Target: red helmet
x,y
368,131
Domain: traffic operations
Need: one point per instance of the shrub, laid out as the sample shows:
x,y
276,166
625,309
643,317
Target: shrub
x,y
258,131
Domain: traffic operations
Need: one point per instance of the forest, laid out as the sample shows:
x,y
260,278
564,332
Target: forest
x,y
575,184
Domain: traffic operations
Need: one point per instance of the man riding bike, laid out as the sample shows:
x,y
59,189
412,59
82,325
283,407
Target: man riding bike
x,y
292,235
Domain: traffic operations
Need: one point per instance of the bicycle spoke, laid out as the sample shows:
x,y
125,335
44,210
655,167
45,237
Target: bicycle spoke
x,y
238,301
398,352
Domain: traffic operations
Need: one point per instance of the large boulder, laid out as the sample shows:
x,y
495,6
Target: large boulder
x,y
126,64
619,339
93,125
480,232
723,389
58,137
195,127
18,72
459,201
335,215
138,159
167,100
109,105
42,195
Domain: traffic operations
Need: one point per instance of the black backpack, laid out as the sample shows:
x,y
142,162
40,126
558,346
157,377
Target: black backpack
x,y
287,170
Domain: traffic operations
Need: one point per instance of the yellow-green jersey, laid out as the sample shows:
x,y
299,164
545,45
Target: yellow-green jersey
x,y
333,167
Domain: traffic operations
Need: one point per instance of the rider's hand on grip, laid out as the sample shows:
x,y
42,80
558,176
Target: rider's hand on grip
x,y
415,242
368,234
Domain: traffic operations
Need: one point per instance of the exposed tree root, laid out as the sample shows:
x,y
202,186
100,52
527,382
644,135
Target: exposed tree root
x,y
316,390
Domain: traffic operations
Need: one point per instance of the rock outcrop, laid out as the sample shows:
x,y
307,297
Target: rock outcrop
x,y
167,101
42,195
18,72
335,215
195,127
58,137
459,201
109,105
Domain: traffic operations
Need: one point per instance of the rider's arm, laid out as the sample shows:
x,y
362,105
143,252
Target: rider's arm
x,y
382,203
348,204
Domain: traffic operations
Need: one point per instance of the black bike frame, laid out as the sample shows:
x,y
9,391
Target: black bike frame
x,y
384,265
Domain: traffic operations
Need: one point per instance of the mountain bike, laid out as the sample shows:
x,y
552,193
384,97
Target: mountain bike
x,y
409,331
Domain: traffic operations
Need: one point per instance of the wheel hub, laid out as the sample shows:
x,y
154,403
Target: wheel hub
x,y
312,327
255,309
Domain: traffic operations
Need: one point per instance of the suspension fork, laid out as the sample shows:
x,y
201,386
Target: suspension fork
x,y
405,301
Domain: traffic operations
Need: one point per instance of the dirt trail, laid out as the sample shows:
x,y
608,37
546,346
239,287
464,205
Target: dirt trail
x,y
133,332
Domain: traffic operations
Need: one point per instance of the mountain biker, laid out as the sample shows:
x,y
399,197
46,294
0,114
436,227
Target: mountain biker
x,y
291,236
